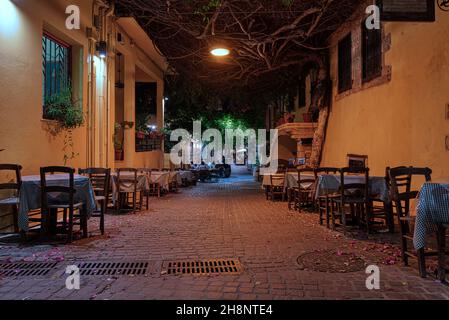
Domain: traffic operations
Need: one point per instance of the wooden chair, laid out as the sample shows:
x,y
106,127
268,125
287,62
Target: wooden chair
x,y
74,212
323,202
12,201
276,187
401,187
126,187
144,197
100,180
290,190
173,183
381,210
303,195
353,199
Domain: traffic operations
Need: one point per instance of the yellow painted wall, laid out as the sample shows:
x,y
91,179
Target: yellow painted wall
x,y
22,131
401,122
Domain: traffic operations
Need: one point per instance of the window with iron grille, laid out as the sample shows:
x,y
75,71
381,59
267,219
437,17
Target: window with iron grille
x,y
148,143
407,10
345,64
371,53
56,67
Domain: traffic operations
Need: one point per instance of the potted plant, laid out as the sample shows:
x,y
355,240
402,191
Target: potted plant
x,y
69,115
118,139
141,132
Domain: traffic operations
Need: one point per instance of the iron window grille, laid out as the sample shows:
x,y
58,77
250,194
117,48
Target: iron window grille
x,y
345,64
371,53
407,10
56,67
148,143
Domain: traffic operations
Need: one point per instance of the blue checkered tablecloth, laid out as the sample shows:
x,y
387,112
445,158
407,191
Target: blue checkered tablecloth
x,y
432,208
30,194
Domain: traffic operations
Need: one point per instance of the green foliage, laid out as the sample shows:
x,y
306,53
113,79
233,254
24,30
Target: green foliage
x,y
61,108
287,3
69,115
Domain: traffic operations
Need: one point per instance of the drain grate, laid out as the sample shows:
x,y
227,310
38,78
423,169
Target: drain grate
x,y
202,267
106,268
26,269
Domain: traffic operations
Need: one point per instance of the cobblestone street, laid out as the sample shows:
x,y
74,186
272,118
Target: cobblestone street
x,y
230,219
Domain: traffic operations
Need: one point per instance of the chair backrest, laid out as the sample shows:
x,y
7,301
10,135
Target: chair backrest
x,y
13,186
401,186
126,176
304,176
359,188
277,179
99,178
326,170
46,189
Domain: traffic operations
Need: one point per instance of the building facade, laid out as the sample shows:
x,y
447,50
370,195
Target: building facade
x,y
390,95
40,55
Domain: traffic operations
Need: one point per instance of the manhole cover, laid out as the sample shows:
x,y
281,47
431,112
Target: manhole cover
x,y
26,269
331,261
201,267
108,268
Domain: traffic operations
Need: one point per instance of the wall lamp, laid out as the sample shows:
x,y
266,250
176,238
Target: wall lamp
x,y
102,49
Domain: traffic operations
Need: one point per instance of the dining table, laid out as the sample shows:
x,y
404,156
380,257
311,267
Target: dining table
x,y
30,195
432,209
290,180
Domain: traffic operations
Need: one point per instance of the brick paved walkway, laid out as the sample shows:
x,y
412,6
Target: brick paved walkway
x,y
227,220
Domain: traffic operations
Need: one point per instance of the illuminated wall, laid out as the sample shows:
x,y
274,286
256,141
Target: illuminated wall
x,y
402,121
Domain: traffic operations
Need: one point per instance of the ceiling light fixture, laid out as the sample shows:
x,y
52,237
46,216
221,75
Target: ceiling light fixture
x,y
220,52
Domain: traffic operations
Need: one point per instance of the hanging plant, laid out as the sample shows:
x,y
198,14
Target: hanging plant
x,y
69,115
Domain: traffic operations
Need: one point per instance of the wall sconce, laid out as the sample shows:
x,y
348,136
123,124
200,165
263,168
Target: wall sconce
x,y
102,49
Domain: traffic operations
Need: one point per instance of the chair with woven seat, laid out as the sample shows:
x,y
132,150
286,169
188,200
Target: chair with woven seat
x,y
100,180
303,195
353,199
144,196
74,212
126,188
401,187
323,201
290,191
276,187
383,210
13,189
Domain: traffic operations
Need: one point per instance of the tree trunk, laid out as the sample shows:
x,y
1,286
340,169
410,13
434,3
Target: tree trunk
x,y
319,138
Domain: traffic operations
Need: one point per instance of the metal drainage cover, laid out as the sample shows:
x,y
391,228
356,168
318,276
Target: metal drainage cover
x,y
331,261
26,269
202,267
106,268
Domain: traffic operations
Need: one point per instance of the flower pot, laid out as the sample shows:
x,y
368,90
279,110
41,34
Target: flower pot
x,y
307,117
140,135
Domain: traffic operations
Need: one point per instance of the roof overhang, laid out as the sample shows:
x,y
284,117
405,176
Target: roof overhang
x,y
143,41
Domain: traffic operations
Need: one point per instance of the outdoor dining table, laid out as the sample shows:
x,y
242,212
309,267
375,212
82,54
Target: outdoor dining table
x,y
143,183
30,196
290,180
330,183
162,178
432,208
186,175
